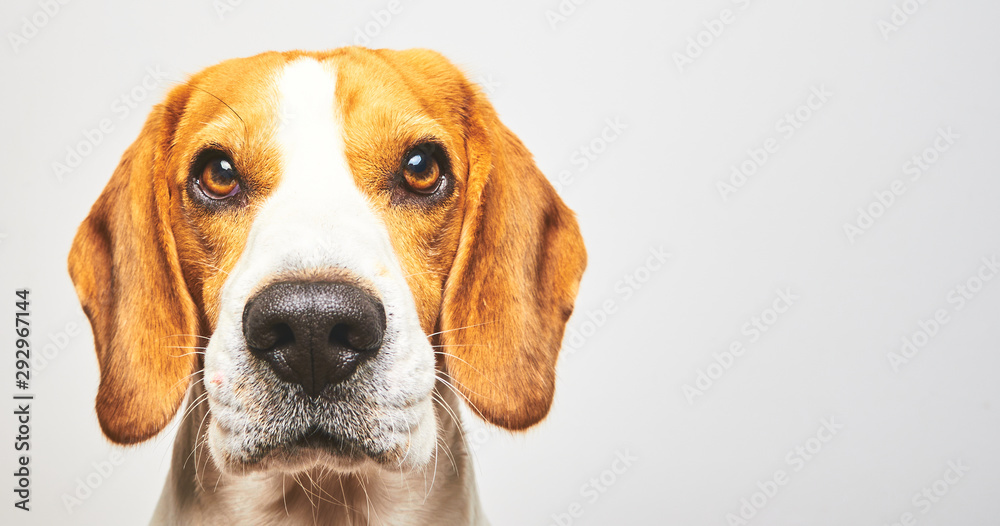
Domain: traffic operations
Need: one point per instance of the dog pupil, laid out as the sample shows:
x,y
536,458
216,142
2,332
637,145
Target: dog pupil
x,y
417,163
223,171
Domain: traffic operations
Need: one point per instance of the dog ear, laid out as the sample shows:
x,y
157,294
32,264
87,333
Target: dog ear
x,y
125,268
514,280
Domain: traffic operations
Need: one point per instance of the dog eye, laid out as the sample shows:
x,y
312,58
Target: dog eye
x,y
421,171
218,179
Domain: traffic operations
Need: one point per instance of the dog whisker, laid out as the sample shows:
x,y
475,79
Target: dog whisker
x,y
436,273
449,381
460,328
483,375
185,336
455,419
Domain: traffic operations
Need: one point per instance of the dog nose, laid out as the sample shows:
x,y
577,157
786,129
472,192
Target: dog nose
x,y
313,333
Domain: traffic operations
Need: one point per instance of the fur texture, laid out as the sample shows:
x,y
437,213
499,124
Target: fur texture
x,y
478,281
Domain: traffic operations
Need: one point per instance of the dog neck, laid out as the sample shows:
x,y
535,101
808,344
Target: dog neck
x,y
197,492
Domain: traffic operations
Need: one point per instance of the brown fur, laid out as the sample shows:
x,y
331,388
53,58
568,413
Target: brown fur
x,y
494,268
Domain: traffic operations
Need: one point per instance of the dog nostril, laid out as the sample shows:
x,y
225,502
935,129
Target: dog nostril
x,y
340,335
357,339
314,333
266,338
284,336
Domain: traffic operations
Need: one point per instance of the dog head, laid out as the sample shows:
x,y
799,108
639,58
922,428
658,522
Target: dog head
x,y
319,238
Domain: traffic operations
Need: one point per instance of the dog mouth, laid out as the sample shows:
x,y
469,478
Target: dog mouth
x,y
314,447
316,439
340,446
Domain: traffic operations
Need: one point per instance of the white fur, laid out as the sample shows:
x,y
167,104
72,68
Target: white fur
x,y
318,219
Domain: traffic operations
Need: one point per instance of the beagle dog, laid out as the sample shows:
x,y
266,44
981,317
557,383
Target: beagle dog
x,y
324,253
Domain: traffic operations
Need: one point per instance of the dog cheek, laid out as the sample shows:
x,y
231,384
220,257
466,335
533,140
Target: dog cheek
x,y
422,444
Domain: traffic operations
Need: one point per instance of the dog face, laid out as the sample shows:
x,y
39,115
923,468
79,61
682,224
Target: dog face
x,y
338,232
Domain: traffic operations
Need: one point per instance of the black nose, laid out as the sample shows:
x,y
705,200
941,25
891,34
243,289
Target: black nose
x,y
313,334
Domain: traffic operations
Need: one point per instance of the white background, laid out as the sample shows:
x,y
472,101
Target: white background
x,y
653,186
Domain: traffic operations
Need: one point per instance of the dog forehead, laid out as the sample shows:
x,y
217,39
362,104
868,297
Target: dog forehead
x,y
317,214
309,135
306,100
412,94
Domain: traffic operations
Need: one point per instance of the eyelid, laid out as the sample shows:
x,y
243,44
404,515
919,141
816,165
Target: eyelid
x,y
432,147
204,154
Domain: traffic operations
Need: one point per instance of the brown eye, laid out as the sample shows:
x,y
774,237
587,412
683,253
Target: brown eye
x,y
421,170
218,179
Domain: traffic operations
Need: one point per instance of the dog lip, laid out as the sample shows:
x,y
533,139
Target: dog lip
x,y
317,439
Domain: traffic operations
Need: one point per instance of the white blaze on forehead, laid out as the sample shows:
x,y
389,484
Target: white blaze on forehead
x,y
316,217
310,137
309,132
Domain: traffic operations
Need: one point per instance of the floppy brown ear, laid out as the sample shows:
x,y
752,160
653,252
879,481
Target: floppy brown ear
x,y
125,268
514,279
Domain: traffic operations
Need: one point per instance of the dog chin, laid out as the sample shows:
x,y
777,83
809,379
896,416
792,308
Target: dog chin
x,y
321,450
294,459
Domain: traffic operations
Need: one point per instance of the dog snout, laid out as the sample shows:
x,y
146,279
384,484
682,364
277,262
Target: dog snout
x,y
311,333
